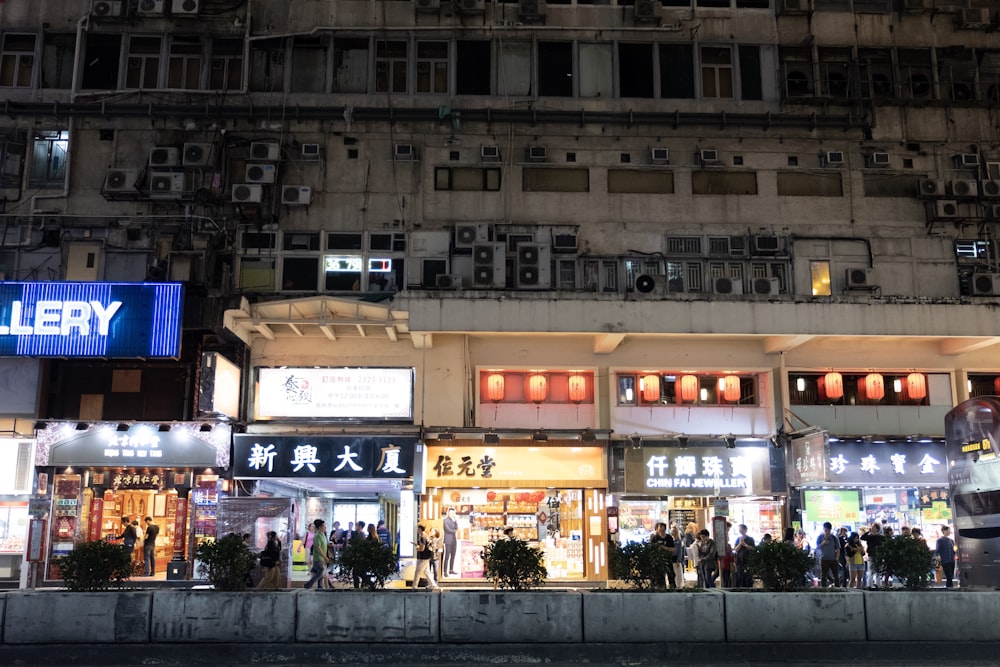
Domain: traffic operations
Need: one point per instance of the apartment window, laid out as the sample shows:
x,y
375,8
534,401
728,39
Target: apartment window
x,y
472,67
877,81
803,184
267,66
309,60
432,67
957,73
596,72
390,66
143,62
350,65
514,68
797,73
227,65
634,181
989,74
676,71
723,183
17,60
716,72
600,275
819,278
48,160
566,274
555,69
684,245
555,180
637,267
257,274
684,277
468,179
834,73
915,74
635,70
184,63
58,51
751,83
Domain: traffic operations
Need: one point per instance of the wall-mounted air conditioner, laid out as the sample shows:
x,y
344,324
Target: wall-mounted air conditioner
x,y
196,155
708,156
765,245
489,265
469,234
165,184
967,160
930,187
427,5
766,285
404,152
310,152
834,158
120,180
489,153
106,8
647,11
536,154
879,159
991,188
265,151
533,266
859,276
727,285
296,195
185,7
984,284
649,284
434,243
150,7
164,156
471,6
247,193
946,208
564,243
260,173
448,281
975,19
965,188
530,10
659,155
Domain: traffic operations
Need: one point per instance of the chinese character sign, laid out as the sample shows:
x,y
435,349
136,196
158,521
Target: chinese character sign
x,y
336,393
698,471
264,455
917,463
474,464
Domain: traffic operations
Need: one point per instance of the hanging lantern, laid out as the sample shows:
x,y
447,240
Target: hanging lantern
x,y
731,388
834,383
577,388
861,389
686,388
494,387
916,386
651,388
821,387
538,388
874,387
996,385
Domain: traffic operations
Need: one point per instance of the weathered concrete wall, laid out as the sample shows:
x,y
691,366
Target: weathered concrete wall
x,y
633,616
355,616
534,617
795,617
184,616
60,617
932,616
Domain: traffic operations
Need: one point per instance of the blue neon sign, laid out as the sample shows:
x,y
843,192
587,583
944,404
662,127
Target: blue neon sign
x,y
122,320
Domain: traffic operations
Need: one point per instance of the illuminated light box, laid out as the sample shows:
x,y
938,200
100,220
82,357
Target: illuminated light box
x,y
384,394
112,320
219,392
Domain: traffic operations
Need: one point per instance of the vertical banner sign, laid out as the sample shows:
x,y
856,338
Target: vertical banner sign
x,y
96,513
180,525
36,540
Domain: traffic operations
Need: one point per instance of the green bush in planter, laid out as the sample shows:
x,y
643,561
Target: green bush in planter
x,y
513,563
225,562
370,561
780,566
905,558
643,565
96,566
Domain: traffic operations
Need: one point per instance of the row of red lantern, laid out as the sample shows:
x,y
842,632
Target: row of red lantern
x,y
872,386
687,388
538,387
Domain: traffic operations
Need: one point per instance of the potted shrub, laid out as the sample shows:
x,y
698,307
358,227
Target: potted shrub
x,y
780,565
514,564
225,562
906,559
96,566
641,565
368,561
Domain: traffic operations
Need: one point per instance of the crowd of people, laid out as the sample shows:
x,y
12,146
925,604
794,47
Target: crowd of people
x,y
322,550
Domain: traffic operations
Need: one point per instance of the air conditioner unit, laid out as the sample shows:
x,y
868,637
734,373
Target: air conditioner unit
x,y
490,153
247,193
946,208
120,180
564,243
164,156
185,7
967,161
857,276
435,243
659,155
985,283
766,285
448,281
533,266
296,195
310,152
468,235
647,11
708,156
530,9
930,187
265,151
965,188
196,155
165,184
260,173
727,285
428,5
404,152
834,158
150,7
766,245
975,19
650,284
489,265
106,8
991,188
471,6
536,154
879,159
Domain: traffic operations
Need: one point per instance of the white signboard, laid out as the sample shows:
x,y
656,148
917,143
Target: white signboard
x,y
335,393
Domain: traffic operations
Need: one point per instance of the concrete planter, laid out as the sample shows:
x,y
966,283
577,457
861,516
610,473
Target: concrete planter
x,y
218,616
823,616
641,616
59,617
486,617
367,616
926,616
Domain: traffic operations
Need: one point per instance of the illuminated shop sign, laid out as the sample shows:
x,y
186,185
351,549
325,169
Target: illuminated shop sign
x,y
118,320
384,394
269,456
808,459
139,445
698,471
918,463
459,465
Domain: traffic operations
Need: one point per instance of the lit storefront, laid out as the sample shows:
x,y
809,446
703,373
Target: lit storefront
x,y
16,479
551,493
102,473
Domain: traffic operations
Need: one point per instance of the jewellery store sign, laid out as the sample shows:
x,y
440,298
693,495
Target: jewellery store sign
x,y
698,471
263,456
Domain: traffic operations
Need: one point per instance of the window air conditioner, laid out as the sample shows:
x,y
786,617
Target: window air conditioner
x,y
727,285
985,284
404,152
975,19
931,187
164,156
296,195
834,158
467,235
537,154
196,155
564,243
150,8
120,180
659,155
991,188
708,156
106,8
879,159
650,284
265,151
946,208
856,276
647,11
448,281
260,173
530,9
967,161
310,152
965,188
489,153
766,245
247,193
185,7
766,285
165,184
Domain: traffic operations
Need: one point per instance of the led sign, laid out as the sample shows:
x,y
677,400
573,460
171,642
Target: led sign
x,y
56,319
335,393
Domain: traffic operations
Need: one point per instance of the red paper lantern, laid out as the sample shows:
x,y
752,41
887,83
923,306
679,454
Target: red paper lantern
x,y
821,387
834,385
731,388
686,388
874,387
916,386
577,388
494,387
538,388
996,385
651,388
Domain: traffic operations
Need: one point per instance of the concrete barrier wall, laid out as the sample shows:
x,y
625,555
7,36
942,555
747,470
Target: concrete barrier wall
x,y
495,617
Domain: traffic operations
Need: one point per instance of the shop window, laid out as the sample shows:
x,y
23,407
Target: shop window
x,y
432,67
555,180
716,72
555,69
627,390
100,62
596,71
48,160
17,60
184,63
350,65
309,57
267,66
227,65
635,70
257,274
676,71
467,179
514,69
390,66
142,69
473,64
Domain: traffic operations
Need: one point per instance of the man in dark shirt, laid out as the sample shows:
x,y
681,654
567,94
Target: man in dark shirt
x,y
872,539
149,547
666,542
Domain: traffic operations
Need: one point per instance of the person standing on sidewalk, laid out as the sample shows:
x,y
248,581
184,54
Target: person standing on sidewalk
x,y
149,547
828,547
422,569
944,549
319,557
